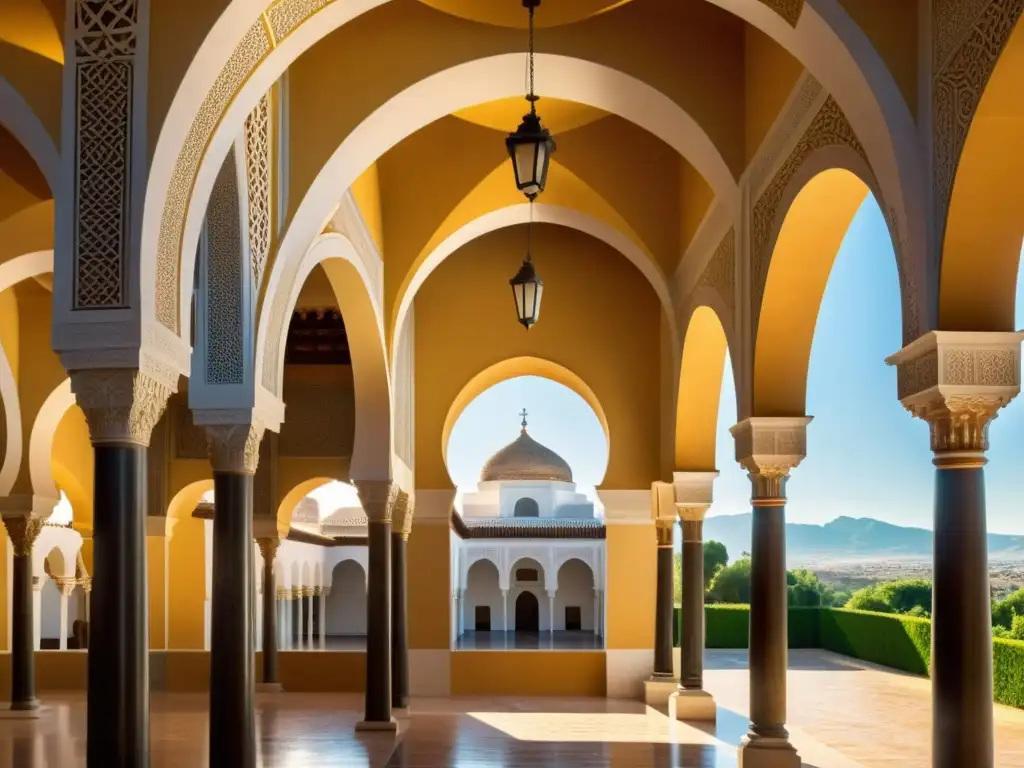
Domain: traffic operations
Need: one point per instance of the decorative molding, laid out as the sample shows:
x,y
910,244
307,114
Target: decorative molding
x,y
225,355
787,9
780,140
378,498
968,38
105,44
828,128
121,405
957,382
268,548
694,493
768,447
259,174
720,273
234,448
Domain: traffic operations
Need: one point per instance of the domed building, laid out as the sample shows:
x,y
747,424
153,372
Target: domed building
x,y
527,555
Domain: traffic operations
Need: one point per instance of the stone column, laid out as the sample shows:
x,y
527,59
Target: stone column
x,y
37,613
234,453
378,498
324,592
693,493
662,683
268,549
23,530
958,382
308,594
298,617
504,612
121,407
401,527
282,632
66,587
768,448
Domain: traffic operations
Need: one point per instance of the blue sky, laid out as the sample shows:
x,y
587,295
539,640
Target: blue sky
x,y
866,456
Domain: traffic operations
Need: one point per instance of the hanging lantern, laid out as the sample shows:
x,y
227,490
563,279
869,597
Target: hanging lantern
x,y
527,289
531,145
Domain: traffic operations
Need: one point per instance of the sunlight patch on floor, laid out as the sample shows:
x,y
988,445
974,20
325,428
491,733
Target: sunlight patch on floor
x,y
650,728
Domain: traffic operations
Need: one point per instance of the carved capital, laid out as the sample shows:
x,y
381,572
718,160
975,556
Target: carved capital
x,y
66,586
378,498
121,405
957,382
693,530
234,448
768,447
694,492
283,593
268,547
23,530
296,593
317,591
325,591
86,585
401,516
665,528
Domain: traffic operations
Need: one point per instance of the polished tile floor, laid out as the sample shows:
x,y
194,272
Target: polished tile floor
x,y
843,714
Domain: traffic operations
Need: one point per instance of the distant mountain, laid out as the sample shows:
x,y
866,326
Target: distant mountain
x,y
853,537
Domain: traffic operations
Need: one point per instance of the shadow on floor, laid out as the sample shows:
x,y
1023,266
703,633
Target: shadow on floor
x,y
812,660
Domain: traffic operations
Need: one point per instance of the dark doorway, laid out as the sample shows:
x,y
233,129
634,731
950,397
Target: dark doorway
x,y
526,507
573,618
527,613
483,618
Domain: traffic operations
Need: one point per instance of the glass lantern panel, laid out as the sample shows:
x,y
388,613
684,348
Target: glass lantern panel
x,y
527,167
537,291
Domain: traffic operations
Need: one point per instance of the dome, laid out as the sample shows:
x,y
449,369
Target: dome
x,y
526,459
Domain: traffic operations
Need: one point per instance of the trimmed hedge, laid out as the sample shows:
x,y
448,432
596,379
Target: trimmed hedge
x,y
891,640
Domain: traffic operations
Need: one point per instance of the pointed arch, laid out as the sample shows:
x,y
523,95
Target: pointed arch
x,y
701,370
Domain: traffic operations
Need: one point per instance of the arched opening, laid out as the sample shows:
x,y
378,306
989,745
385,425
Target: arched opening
x,y
577,607
346,607
703,365
527,619
482,620
526,507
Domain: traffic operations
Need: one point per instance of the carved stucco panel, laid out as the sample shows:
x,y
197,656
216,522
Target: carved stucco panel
x,y
787,9
720,273
968,38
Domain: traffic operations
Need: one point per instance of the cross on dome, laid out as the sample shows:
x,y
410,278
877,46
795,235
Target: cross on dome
x,y
524,414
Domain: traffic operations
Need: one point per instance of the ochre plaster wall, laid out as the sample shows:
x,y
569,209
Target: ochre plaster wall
x,y
519,673
631,581
600,319
429,586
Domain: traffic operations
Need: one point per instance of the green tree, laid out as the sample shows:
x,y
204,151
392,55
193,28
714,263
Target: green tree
x,y
715,557
677,579
1017,630
805,589
909,596
1006,609
731,584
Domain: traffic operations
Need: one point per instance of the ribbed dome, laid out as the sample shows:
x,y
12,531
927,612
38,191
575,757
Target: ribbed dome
x,y
526,459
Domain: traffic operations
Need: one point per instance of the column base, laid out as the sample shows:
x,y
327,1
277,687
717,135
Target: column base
x,y
269,688
378,725
767,753
26,713
692,704
658,689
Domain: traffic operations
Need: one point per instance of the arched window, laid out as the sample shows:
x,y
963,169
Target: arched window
x,y
526,507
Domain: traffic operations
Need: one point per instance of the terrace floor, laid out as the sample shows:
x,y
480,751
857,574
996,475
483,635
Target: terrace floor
x,y
843,714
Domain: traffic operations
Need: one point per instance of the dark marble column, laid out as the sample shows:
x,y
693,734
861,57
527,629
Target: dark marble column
x,y
664,600
769,612
23,531
118,707
268,548
378,499
962,730
399,636
691,634
233,454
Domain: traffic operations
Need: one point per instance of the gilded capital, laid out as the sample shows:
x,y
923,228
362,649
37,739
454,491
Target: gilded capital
x,y
378,499
268,547
23,530
768,447
957,382
283,593
296,593
317,591
693,530
234,448
401,516
66,586
694,492
121,405
665,528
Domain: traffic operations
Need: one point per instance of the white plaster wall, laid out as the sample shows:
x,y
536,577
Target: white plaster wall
x,y
346,605
575,587
482,589
49,615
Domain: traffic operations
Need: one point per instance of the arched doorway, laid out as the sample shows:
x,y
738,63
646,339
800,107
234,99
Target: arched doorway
x,y
526,507
527,613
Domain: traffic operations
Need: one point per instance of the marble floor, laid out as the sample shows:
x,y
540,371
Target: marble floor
x,y
843,714
472,640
